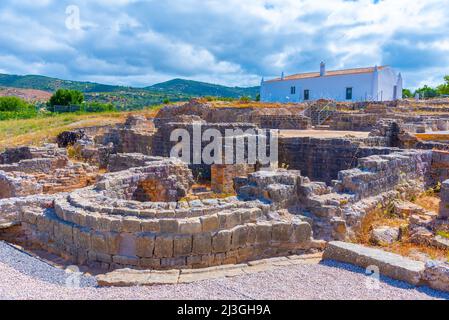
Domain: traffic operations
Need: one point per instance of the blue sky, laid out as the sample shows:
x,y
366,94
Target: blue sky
x,y
231,42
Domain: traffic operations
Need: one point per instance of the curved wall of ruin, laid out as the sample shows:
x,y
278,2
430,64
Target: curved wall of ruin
x,y
105,226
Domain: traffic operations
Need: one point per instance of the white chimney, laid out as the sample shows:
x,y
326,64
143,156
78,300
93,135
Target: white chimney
x,y
322,69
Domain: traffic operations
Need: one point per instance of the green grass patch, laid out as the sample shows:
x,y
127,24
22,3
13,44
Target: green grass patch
x,y
443,234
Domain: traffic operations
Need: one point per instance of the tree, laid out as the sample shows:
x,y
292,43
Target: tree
x,y
64,97
14,104
427,92
258,97
444,88
406,93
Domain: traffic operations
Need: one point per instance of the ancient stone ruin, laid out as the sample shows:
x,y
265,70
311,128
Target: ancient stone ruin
x,y
115,199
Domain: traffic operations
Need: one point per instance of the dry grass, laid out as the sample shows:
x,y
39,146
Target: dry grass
x,y
381,217
41,130
408,249
432,137
428,202
377,218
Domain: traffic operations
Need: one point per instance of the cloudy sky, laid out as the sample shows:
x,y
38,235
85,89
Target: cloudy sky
x,y
231,42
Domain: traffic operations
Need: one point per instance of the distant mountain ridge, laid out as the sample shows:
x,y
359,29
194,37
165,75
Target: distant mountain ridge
x,y
197,88
181,87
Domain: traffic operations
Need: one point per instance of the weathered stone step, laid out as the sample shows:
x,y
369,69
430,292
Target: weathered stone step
x,y
129,277
389,264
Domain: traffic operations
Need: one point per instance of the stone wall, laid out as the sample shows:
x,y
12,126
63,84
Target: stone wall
x,y
322,159
102,227
284,122
222,176
47,171
163,145
163,180
383,173
15,155
353,121
444,205
440,166
233,112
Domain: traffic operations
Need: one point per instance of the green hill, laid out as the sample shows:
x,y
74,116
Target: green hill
x,y
128,98
53,84
196,88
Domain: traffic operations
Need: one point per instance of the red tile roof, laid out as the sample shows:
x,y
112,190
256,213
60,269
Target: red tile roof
x,y
328,73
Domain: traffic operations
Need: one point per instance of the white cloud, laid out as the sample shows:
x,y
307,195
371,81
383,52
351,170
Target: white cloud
x,y
233,42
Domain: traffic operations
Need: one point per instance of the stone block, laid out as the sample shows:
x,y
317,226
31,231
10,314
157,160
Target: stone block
x,y
202,243
145,245
152,263
67,233
263,232
437,275
209,223
113,240
239,237
125,260
302,232
282,232
127,244
221,241
190,226
151,226
182,245
131,225
99,243
171,263
163,247
169,225
389,264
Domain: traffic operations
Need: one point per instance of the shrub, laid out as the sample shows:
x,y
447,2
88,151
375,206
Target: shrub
x,y
64,97
245,99
14,104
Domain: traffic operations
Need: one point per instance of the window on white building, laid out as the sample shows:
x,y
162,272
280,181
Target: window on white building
x,y
348,93
293,90
306,94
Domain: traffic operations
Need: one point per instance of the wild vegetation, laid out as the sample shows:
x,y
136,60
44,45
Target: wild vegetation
x,y
13,108
35,131
429,92
129,98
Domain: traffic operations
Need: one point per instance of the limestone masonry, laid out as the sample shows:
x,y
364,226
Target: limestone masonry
x,y
113,198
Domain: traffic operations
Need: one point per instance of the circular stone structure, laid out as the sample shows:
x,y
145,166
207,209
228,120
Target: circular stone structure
x,y
136,218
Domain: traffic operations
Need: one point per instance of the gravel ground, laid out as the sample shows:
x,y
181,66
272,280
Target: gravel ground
x,y
24,277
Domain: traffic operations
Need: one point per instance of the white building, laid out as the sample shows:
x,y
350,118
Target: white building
x,y
361,84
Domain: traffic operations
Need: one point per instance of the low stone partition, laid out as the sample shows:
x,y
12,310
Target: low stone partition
x,y
123,161
279,188
284,122
354,121
223,175
17,184
322,159
15,155
42,170
135,136
228,112
440,166
383,173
